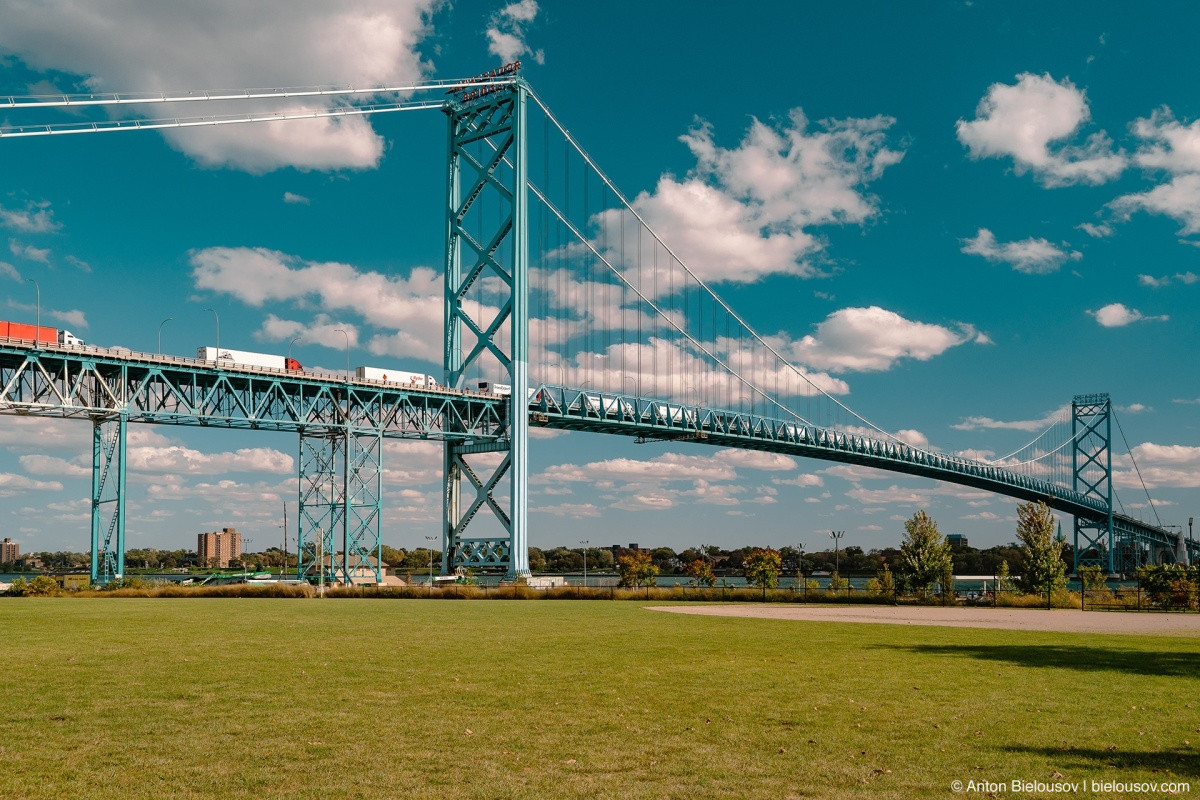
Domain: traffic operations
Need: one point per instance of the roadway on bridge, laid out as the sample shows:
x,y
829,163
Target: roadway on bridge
x,y
1060,620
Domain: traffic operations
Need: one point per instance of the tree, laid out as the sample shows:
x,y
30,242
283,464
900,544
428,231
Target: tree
x,y
924,553
636,569
1094,580
883,582
1042,568
701,572
761,568
1003,578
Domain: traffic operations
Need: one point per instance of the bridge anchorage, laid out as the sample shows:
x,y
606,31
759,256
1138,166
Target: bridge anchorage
x,y
549,272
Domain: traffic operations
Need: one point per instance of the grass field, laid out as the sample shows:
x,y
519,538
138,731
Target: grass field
x,y
301,698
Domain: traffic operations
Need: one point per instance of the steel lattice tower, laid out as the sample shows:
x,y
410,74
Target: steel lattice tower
x,y
108,498
1091,468
487,240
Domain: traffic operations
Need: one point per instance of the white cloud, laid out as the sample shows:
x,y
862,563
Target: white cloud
x,y
1160,466
893,494
13,485
1186,278
50,465
1116,315
28,251
666,467
1179,199
176,459
746,212
1022,121
411,307
1029,425
296,199
1031,256
9,271
34,218
506,32
568,510
804,481
1098,231
874,339
179,47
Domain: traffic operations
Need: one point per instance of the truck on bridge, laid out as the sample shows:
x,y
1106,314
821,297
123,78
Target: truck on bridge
x,y
38,334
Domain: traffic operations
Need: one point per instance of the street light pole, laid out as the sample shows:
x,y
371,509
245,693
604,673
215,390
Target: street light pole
x,y
585,544
218,318
292,342
347,337
837,562
37,333
431,539
160,327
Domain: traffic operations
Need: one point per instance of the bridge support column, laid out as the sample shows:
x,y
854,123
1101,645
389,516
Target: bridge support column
x,y
340,499
487,245
1091,462
108,498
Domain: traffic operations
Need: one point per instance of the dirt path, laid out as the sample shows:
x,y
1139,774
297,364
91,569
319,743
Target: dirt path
x,y
1017,619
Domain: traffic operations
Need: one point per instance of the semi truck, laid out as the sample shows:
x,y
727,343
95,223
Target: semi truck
x,y
42,335
242,358
418,380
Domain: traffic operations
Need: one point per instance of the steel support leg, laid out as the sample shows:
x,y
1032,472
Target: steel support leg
x,y
108,499
322,506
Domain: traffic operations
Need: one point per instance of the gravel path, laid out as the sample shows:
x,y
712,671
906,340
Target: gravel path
x,y
1017,619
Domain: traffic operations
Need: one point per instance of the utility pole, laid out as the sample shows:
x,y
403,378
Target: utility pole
x,y
585,544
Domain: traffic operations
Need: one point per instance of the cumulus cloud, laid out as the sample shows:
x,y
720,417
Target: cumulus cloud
x,y
295,199
506,32
28,251
49,465
1031,256
873,339
179,47
1166,280
183,460
12,485
748,211
1116,315
410,308
1029,425
36,217
1031,122
9,271
1161,466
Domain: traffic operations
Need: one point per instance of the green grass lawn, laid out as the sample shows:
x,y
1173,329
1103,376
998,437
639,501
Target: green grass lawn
x,y
305,698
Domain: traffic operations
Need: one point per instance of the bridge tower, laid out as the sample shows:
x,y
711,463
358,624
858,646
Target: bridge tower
x,y
1091,466
487,245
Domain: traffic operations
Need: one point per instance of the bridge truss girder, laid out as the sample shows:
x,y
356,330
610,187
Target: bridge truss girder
x,y
1091,468
487,169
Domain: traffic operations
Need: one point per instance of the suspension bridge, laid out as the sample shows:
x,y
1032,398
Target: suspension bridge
x,y
550,272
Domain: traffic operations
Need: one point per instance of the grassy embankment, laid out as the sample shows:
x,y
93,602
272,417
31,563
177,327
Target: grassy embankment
x,y
285,698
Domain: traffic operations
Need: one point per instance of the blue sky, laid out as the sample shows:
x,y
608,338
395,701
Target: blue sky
x,y
1018,224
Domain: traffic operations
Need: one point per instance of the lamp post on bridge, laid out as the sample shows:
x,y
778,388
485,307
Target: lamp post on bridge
x,y
347,338
37,331
292,342
218,318
160,327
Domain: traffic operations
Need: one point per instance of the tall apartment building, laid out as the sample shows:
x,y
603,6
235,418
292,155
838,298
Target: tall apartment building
x,y
9,551
218,548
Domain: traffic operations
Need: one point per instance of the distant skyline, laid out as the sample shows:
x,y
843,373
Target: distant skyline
x,y
961,214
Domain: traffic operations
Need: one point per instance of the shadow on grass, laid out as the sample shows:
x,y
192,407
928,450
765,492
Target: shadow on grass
x,y
1084,659
1177,762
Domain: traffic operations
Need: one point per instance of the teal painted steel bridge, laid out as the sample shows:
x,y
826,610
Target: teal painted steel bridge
x,y
548,266
340,423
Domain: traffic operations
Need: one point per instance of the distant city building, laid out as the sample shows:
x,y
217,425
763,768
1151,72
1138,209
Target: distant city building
x,y
956,541
10,551
217,549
